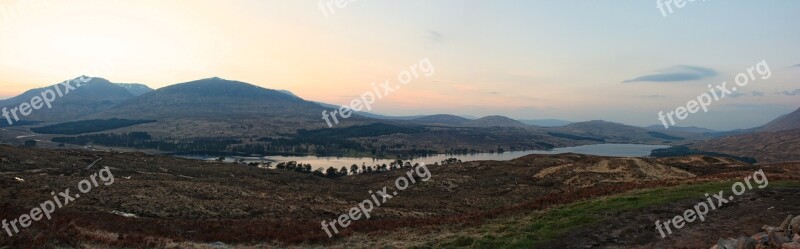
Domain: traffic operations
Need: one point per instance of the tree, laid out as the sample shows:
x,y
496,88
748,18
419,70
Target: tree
x,y
343,171
331,172
318,172
354,169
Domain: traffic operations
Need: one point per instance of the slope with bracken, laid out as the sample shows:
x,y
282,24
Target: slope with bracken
x,y
266,206
776,141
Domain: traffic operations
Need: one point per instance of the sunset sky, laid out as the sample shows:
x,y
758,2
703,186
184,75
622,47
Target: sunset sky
x,y
573,60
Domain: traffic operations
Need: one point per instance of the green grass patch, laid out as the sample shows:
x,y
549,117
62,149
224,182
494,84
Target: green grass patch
x,y
546,225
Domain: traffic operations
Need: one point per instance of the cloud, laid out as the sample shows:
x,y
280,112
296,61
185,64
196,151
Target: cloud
x,y
435,36
654,96
798,65
795,92
736,95
675,74
758,94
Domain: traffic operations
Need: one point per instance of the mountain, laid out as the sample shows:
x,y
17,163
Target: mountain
x,y
690,129
546,122
777,141
495,121
135,88
222,108
213,97
87,98
786,122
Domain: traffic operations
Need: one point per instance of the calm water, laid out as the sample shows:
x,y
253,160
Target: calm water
x,y
614,150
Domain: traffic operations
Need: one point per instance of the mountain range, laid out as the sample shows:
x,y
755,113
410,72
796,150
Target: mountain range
x,y
219,108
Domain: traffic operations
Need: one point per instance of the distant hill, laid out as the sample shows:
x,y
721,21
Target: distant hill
x,y
610,132
91,97
442,119
135,88
786,122
691,129
546,122
495,121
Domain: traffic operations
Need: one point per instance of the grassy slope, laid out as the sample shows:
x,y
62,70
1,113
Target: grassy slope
x,y
542,226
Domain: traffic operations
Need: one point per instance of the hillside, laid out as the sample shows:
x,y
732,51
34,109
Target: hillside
x,y
250,206
94,96
786,122
766,147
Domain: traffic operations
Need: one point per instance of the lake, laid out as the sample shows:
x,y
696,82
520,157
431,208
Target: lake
x,y
613,150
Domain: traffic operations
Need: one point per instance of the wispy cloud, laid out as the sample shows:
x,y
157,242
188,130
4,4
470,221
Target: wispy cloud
x,y
798,65
758,94
736,94
676,74
795,92
435,36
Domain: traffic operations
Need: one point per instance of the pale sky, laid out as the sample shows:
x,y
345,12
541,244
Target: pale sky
x,y
522,59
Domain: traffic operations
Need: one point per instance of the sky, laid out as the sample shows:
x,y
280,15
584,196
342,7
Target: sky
x,y
621,61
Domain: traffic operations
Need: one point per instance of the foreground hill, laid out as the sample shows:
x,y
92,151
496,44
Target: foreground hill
x,y
90,97
181,203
